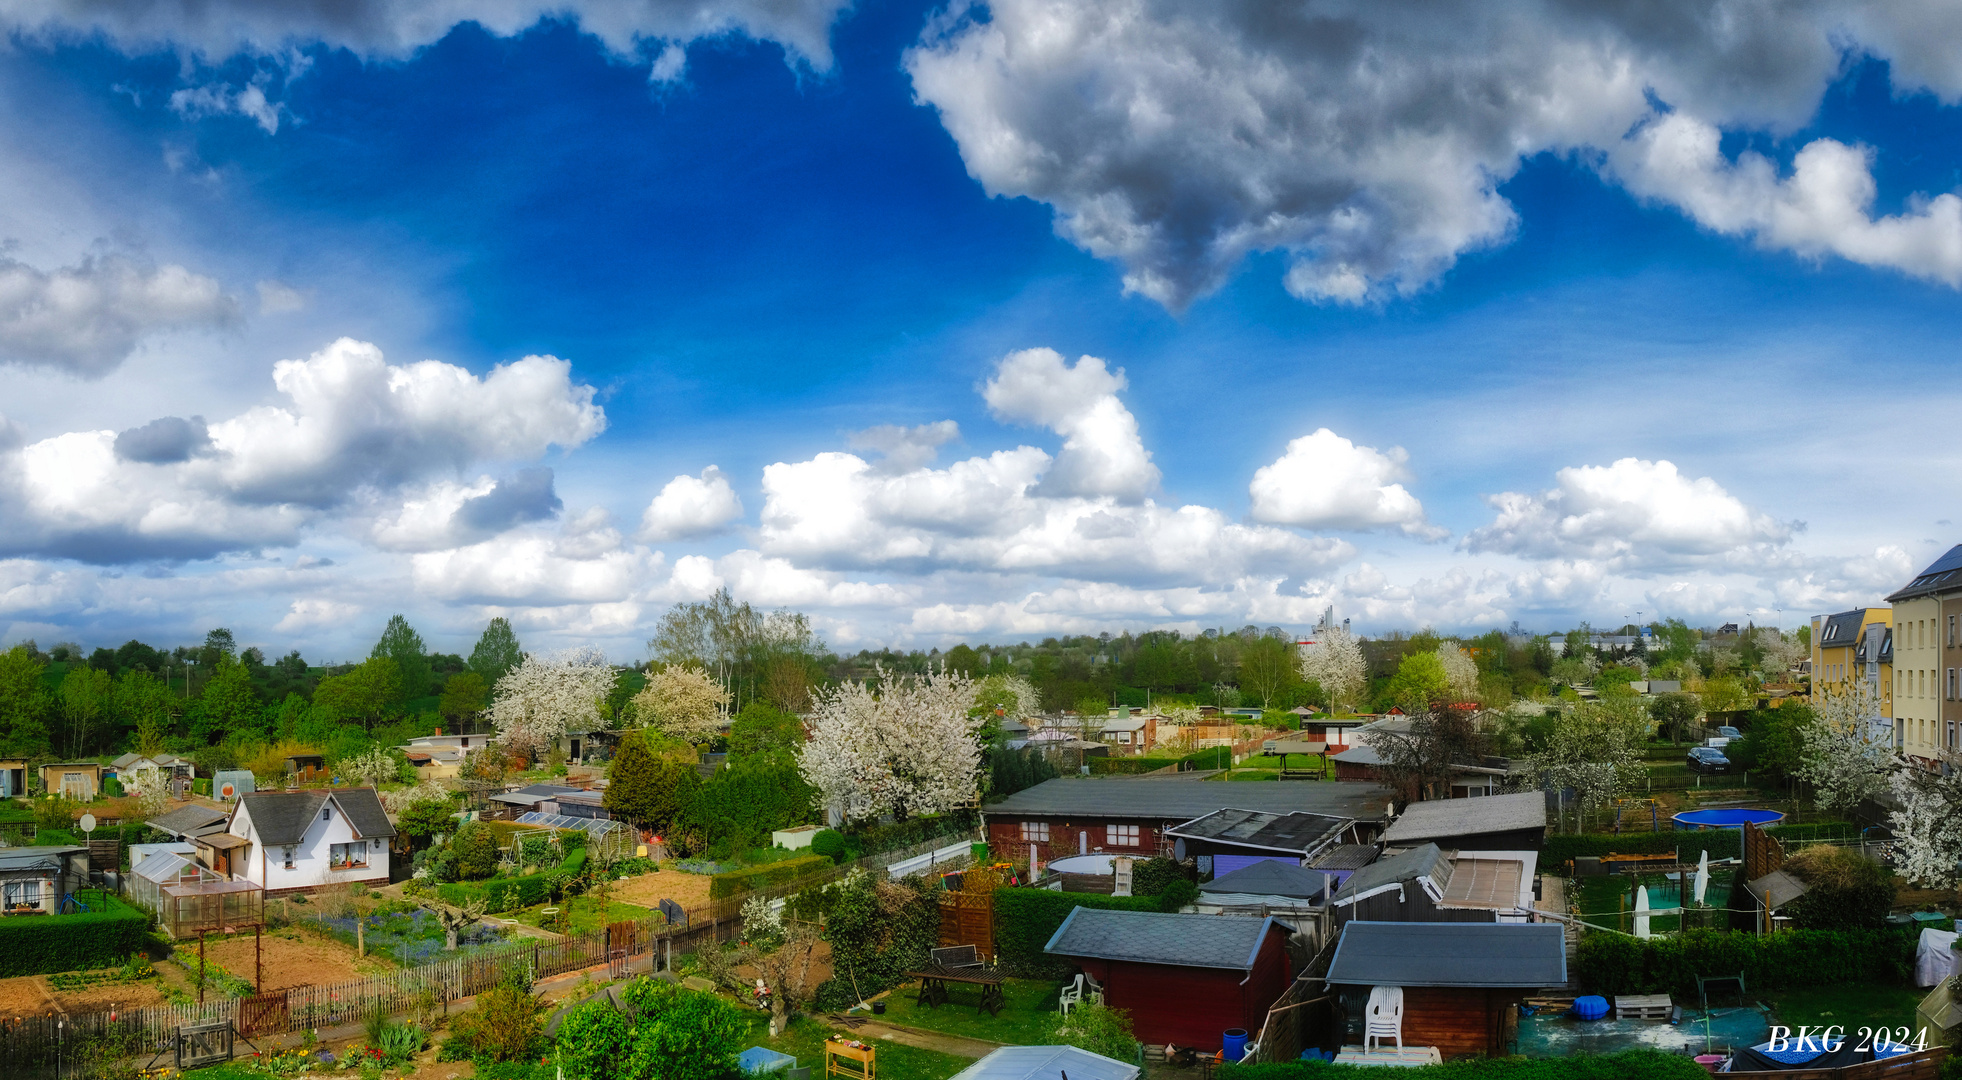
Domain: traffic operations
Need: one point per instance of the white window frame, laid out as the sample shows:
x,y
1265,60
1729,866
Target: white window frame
x,y
346,854
1035,832
1121,835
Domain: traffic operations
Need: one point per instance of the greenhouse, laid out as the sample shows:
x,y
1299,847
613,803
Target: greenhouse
x,y
189,899
611,837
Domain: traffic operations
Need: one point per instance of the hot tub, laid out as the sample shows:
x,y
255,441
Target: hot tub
x,y
1728,818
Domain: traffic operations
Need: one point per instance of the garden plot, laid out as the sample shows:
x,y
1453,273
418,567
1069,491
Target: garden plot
x,y
290,959
135,987
408,937
648,890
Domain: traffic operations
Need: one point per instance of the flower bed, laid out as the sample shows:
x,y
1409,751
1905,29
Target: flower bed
x,y
409,938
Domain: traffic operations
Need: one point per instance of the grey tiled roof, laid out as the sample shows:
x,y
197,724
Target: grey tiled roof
x,y
1153,937
1182,800
1426,861
1525,955
282,816
1842,630
1467,817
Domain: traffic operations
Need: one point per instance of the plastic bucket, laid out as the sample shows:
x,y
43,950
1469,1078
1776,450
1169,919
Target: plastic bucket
x,y
1233,1044
1710,1062
878,1008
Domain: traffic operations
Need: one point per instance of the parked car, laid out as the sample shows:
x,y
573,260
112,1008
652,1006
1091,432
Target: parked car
x,y
1708,759
1729,732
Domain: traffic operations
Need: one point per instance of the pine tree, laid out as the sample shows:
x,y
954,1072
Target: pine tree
x,y
497,651
400,643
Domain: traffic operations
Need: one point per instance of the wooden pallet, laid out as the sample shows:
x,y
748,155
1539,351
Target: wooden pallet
x,y
1643,1007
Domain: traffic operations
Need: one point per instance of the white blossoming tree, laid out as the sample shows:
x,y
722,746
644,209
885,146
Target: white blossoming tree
x,y
370,767
1335,662
1927,844
907,747
1460,670
1779,654
1014,695
1845,756
1594,750
681,703
542,698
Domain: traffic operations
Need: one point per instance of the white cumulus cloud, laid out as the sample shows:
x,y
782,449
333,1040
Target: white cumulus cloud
x,y
1102,454
1325,481
1631,515
88,318
1369,141
691,507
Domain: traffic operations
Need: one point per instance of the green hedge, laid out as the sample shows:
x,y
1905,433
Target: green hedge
x,y
1647,1064
1212,757
1720,843
102,937
737,882
1025,920
1614,964
510,894
878,839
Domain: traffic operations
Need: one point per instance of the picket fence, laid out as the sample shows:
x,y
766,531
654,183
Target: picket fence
x,y
83,1045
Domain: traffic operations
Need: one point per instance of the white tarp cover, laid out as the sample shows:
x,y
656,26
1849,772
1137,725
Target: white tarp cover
x,y
1934,957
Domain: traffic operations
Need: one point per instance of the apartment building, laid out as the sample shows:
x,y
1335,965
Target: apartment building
x,y
1928,660
1853,647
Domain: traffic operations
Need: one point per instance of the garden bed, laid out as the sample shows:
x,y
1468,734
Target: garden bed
x,y
290,959
406,937
691,891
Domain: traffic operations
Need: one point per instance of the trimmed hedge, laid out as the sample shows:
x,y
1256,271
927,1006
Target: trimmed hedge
x,y
1560,848
1613,964
99,938
1212,757
510,894
737,882
1647,1064
1025,920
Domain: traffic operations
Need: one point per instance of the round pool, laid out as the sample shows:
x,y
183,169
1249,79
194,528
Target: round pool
x,y
1726,818
1084,864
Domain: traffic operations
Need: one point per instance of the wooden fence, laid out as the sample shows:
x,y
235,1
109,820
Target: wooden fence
x,y
84,1044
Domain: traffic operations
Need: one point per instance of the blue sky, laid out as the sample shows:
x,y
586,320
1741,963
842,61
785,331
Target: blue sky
x,y
1595,323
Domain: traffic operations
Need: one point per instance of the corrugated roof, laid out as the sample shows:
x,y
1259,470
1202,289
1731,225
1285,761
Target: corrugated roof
x,y
1426,861
1296,833
1346,857
1521,955
1942,575
1046,1063
1182,800
1155,937
1483,884
1468,817
190,820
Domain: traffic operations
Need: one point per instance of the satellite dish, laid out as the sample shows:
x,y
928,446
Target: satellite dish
x,y
88,823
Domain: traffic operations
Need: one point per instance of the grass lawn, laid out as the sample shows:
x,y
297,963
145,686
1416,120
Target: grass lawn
x,y
1031,1007
1850,1005
581,913
805,1042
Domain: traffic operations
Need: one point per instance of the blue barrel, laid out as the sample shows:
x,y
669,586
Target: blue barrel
x,y
1234,1043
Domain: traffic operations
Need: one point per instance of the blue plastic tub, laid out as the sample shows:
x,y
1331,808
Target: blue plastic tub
x,y
1591,1007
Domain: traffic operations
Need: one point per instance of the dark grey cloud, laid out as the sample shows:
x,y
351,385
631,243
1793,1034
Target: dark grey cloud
x,y
164,440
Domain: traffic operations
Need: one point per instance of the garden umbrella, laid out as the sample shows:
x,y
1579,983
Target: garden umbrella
x,y
1641,911
1702,876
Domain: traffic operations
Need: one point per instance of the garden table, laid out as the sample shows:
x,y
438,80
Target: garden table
x,y
935,977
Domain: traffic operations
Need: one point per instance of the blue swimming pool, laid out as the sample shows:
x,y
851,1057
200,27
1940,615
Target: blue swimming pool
x,y
1726,819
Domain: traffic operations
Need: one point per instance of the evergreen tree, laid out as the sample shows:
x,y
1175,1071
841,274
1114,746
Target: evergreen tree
x,y
648,789
400,643
497,651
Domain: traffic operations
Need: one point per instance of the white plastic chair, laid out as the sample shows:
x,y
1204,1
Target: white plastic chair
x,y
1071,995
1093,991
1385,1017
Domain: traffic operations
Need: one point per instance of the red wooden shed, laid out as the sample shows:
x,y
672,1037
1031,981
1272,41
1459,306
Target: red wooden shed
x,y
1185,979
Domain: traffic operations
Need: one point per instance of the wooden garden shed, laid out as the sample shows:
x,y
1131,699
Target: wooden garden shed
x,y
1185,979
1461,982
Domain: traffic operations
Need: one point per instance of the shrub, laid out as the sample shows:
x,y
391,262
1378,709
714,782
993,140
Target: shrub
x,y
472,852
876,839
1098,1029
749,879
1025,920
1847,890
1614,964
1647,1064
56,812
112,787
104,936
1153,876
878,931
510,894
829,843
504,1026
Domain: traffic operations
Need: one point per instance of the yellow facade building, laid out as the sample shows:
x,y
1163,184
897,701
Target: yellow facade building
x,y
1854,647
